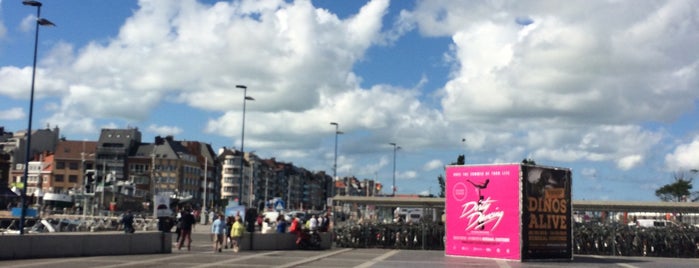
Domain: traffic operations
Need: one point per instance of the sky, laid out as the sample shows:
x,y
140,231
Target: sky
x,y
609,89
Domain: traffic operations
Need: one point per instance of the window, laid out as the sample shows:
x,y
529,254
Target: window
x,y
73,165
73,178
60,165
59,178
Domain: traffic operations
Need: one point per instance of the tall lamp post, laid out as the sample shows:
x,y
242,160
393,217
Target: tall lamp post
x,y
39,22
337,132
395,147
242,142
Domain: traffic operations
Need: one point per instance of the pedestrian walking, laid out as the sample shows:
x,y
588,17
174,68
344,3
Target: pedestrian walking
x,y
218,230
127,221
237,233
178,224
281,224
229,228
187,223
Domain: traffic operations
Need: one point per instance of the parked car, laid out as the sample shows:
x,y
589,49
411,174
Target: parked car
x,y
295,214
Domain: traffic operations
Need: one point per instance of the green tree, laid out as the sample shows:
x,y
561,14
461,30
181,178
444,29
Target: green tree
x,y
528,161
678,190
460,160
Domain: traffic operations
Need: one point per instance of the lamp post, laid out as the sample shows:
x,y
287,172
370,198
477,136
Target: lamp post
x,y
242,142
206,183
43,22
395,147
337,132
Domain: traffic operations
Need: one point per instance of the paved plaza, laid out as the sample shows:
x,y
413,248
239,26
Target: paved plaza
x,y
201,255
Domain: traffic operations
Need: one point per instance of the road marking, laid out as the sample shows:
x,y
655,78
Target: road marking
x,y
40,264
315,258
502,264
617,263
233,260
131,263
377,259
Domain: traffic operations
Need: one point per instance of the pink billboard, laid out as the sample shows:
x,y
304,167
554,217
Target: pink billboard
x,y
482,211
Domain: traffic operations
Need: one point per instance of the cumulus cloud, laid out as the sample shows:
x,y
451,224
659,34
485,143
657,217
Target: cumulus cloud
x,y
164,130
433,164
571,87
12,114
578,82
684,157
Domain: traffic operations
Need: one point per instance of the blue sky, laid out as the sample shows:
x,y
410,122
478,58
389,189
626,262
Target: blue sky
x,y
606,88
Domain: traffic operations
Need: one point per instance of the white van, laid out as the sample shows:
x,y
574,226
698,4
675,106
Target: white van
x,y
412,215
651,223
271,215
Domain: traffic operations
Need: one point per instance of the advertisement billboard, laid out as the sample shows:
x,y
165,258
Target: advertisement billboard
x,y
161,206
483,211
547,230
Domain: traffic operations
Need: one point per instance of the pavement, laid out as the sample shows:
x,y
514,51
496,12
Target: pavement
x,y
201,255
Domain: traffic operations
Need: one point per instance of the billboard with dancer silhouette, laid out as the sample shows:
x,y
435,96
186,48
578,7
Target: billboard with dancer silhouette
x,y
508,211
482,211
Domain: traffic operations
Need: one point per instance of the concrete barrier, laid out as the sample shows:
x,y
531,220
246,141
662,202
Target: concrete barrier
x,y
275,241
51,245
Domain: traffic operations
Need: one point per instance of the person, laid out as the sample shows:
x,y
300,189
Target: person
x,y
281,224
229,228
237,233
313,225
178,224
295,228
260,220
325,224
196,215
218,230
127,221
187,223
266,227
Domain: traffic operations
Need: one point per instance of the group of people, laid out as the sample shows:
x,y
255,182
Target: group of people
x,y
227,232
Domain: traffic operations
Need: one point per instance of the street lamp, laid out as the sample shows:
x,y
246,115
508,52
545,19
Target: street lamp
x,y
395,147
242,142
43,22
337,132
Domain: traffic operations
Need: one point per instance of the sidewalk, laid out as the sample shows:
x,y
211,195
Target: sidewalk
x,y
201,229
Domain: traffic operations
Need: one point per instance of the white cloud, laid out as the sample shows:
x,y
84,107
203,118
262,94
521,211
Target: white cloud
x,y
433,164
580,83
12,114
28,23
684,157
628,162
164,130
406,175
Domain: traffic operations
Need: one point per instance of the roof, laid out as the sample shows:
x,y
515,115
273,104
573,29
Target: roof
x,y
578,205
74,149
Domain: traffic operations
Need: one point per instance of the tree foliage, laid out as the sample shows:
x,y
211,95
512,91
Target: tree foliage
x,y
680,190
528,161
460,160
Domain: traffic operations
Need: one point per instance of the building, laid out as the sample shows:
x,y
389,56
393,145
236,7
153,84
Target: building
x,y
71,160
14,147
209,177
231,176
